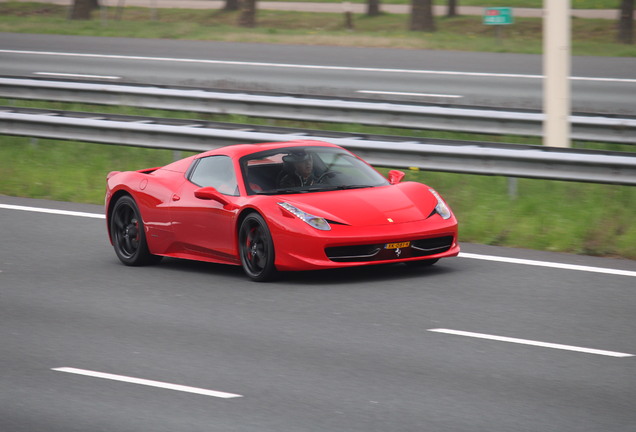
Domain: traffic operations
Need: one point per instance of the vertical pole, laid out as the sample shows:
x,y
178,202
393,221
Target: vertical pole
x,y
556,71
348,16
153,7
513,188
103,12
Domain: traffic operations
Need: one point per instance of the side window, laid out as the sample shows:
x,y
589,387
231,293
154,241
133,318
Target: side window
x,y
218,172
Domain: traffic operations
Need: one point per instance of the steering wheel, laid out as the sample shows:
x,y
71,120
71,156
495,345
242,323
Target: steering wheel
x,y
328,174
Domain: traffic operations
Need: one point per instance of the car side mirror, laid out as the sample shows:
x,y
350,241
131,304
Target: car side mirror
x,y
209,193
395,176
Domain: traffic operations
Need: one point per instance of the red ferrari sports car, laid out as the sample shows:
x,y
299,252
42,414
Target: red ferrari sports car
x,y
271,207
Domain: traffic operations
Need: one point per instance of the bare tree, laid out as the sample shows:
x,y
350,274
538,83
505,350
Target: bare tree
x,y
626,22
373,7
82,9
247,17
422,16
452,8
231,5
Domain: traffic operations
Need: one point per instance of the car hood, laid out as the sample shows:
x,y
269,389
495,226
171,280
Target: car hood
x,y
404,202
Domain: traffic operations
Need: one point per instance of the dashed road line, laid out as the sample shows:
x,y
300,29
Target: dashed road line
x,y
531,342
75,75
53,211
396,93
146,382
549,264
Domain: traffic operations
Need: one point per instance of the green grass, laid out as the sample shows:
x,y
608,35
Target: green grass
x,y
67,171
546,215
466,33
575,4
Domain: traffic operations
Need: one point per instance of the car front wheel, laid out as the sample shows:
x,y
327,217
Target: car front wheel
x,y
256,248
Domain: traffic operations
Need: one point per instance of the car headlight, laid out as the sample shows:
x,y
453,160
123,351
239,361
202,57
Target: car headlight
x,y
441,208
314,221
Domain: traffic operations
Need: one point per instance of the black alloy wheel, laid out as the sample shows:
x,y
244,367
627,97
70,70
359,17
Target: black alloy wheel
x,y
256,248
127,234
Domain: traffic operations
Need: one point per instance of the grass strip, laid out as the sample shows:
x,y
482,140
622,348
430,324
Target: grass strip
x,y
545,215
537,4
465,33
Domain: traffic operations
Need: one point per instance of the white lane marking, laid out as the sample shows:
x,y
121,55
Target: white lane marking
x,y
73,75
300,66
409,94
548,264
150,383
531,342
52,211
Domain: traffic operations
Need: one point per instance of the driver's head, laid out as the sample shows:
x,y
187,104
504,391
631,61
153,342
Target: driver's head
x,y
302,161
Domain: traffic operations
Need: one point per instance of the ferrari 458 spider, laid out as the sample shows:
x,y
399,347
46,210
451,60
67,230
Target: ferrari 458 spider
x,y
271,207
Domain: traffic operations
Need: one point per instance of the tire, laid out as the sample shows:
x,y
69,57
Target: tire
x,y
128,235
421,263
256,249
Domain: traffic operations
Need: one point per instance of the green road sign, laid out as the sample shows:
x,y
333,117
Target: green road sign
x,y
498,16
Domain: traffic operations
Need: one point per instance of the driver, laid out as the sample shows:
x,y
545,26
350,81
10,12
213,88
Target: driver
x,y
302,173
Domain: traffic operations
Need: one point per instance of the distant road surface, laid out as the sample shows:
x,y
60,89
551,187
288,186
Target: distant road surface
x,y
599,84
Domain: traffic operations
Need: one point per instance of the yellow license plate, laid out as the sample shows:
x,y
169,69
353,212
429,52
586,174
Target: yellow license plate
x,y
397,245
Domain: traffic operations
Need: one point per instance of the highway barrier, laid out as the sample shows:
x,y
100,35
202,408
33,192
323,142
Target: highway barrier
x,y
389,151
585,127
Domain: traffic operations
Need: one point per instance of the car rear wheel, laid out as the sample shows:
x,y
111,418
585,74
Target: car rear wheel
x,y
256,248
127,234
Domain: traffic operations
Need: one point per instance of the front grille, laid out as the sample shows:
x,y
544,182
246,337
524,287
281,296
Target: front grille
x,y
432,246
353,253
378,252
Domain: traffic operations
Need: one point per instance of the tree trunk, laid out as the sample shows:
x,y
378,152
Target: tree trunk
x,y
452,8
231,5
373,7
247,18
120,9
82,9
626,22
422,16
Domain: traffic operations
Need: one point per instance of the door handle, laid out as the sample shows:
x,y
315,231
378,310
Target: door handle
x,y
175,197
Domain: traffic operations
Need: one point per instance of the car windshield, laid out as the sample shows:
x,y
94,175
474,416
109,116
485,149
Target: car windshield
x,y
306,169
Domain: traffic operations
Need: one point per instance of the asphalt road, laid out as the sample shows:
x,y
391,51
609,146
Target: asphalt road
x,y
321,351
599,84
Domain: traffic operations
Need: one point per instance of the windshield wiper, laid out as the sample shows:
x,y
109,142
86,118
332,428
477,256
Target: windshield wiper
x,y
278,191
282,191
344,187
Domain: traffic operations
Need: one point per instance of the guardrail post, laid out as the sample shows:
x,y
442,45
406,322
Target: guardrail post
x,y
513,190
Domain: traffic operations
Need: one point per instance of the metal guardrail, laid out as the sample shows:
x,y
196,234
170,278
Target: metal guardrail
x,y
586,127
399,152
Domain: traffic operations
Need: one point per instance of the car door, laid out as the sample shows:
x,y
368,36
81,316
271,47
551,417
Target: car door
x,y
205,227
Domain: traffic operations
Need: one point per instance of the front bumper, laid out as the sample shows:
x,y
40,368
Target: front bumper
x,y
347,246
